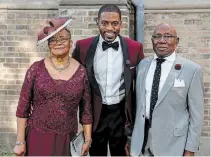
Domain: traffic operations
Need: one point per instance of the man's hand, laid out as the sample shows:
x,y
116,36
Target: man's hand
x,y
188,153
127,147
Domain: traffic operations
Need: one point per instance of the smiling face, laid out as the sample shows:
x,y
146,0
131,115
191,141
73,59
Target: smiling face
x,y
60,43
166,45
109,24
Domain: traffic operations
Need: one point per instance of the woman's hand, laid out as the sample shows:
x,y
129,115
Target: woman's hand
x,y
20,150
87,139
85,149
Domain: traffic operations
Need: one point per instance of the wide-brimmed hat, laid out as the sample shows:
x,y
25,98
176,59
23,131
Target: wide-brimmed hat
x,y
54,27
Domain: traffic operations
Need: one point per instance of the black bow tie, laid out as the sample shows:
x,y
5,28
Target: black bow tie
x,y
114,45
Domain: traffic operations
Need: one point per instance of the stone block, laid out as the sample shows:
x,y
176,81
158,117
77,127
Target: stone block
x,y
10,65
93,13
10,16
11,43
3,27
21,15
22,27
9,60
77,32
92,25
193,22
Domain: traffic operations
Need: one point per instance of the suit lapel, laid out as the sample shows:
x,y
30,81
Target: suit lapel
x,y
126,62
89,65
143,85
173,74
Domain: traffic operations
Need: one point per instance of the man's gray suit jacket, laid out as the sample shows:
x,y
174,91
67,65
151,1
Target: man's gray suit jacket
x,y
178,114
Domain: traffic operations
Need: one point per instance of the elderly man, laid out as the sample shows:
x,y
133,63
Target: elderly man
x,y
169,92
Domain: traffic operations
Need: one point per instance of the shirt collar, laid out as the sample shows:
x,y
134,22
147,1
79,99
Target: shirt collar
x,y
170,58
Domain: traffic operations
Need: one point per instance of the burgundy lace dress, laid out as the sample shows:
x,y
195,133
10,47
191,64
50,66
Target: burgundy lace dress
x,y
53,123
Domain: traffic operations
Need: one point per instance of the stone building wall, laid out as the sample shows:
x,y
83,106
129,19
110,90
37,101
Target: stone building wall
x,y
18,50
84,24
18,30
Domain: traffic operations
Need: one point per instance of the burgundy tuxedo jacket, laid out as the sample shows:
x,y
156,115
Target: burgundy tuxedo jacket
x,y
132,54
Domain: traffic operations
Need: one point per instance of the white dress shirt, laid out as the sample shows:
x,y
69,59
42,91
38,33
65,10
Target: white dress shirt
x,y
165,69
108,71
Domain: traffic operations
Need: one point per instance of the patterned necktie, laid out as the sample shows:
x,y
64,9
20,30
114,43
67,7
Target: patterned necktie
x,y
155,86
114,45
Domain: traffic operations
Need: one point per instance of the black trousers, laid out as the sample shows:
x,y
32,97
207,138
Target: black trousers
x,y
110,130
146,133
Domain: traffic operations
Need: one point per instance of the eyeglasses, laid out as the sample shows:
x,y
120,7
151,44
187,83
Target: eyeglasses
x,y
165,37
54,41
106,23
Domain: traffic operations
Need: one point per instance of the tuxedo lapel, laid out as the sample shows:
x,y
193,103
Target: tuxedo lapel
x,y
89,65
126,62
173,74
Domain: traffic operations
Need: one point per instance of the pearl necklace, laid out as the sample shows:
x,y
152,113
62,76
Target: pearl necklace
x,y
59,69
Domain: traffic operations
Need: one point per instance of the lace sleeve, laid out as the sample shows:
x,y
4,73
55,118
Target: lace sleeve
x,y
85,108
26,94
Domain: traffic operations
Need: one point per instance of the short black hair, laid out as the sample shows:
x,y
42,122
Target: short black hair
x,y
109,8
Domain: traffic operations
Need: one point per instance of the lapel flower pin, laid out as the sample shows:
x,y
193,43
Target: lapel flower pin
x,y
177,66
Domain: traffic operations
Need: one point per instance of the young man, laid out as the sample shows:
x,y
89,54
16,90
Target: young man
x,y
170,100
110,61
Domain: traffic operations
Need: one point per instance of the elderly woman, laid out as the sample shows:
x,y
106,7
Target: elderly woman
x,y
54,87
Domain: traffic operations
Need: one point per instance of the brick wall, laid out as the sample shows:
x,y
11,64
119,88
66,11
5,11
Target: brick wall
x,y
193,28
18,29
18,50
84,24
